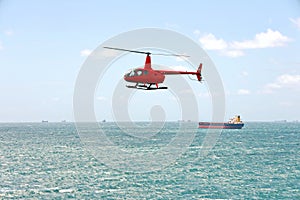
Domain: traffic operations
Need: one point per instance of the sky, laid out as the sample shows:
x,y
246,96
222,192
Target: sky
x,y
254,45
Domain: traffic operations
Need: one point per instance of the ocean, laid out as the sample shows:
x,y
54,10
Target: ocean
x,y
50,161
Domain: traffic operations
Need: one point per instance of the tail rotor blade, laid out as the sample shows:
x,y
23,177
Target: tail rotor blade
x,y
199,76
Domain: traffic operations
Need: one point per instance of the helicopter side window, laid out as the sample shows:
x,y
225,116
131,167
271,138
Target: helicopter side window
x,y
139,72
145,72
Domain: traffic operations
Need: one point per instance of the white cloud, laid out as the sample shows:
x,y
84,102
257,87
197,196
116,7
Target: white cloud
x,y
283,81
85,52
210,42
232,53
197,32
244,73
289,80
273,86
296,22
262,40
235,49
243,92
8,32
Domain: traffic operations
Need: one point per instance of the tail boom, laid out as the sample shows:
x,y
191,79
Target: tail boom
x,y
197,73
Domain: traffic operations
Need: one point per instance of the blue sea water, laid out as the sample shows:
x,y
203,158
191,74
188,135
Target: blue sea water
x,y
49,161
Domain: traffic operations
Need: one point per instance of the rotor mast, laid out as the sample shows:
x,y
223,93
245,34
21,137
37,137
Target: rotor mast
x,y
148,62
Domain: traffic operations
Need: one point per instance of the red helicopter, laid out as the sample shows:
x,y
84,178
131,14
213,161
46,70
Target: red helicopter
x,y
146,77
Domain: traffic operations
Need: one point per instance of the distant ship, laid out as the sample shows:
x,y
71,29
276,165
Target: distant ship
x,y
234,123
44,121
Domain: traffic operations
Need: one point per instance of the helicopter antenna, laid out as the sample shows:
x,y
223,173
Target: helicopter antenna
x,y
146,52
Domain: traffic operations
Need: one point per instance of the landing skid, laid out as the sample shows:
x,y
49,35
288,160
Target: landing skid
x,y
146,87
154,88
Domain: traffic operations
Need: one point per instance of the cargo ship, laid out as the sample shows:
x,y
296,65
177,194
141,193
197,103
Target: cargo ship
x,y
233,123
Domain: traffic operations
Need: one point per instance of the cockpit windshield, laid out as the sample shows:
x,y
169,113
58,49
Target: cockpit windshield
x,y
133,72
130,73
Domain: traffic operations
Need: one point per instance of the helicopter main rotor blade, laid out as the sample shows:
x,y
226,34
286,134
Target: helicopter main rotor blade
x,y
170,54
148,53
133,51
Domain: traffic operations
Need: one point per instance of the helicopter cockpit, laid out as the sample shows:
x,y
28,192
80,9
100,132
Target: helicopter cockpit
x,y
134,72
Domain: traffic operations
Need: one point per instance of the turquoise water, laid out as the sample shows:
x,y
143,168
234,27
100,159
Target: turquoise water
x,y
48,161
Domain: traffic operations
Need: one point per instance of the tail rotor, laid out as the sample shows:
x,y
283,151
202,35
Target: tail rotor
x,y
199,76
